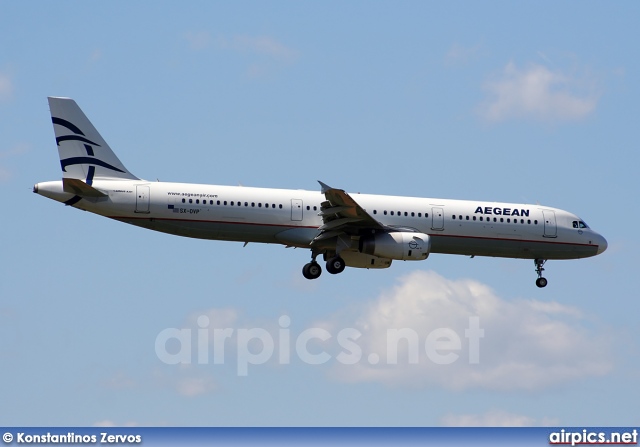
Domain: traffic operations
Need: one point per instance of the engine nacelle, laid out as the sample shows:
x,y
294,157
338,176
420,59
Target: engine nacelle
x,y
402,246
364,261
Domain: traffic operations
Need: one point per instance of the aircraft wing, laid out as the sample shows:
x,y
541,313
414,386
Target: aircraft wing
x,y
343,215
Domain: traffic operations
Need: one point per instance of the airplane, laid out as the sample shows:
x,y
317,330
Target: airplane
x,y
348,230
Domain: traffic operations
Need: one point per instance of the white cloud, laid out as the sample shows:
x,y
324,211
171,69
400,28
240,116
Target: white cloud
x,y
527,344
265,45
494,418
460,55
188,380
96,55
6,87
119,381
538,93
258,45
195,386
198,40
265,54
261,45
213,318
5,174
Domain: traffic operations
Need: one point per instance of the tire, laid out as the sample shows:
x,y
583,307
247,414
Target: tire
x,y
541,282
335,265
311,270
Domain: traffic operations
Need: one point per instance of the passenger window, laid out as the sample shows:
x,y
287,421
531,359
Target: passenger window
x,y
392,213
260,205
253,204
190,200
413,214
453,217
495,219
375,212
474,217
385,212
315,208
467,218
502,219
280,206
419,214
183,200
406,214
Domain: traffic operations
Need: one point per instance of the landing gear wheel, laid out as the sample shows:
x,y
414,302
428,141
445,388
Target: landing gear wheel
x,y
311,270
335,265
541,282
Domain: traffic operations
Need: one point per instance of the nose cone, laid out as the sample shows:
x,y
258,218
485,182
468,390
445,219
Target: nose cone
x,y
602,244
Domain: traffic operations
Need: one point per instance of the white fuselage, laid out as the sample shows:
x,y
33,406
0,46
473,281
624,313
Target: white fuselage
x,y
291,217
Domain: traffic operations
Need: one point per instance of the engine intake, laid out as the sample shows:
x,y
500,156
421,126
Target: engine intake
x,y
403,246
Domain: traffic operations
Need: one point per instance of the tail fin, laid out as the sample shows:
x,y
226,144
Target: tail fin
x,y
83,153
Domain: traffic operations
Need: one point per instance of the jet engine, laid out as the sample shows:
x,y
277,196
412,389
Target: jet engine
x,y
403,246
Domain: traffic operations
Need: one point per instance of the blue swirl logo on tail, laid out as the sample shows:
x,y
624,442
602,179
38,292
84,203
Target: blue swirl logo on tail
x,y
88,146
89,160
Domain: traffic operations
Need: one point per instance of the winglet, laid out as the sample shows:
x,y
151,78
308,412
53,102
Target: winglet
x,y
324,187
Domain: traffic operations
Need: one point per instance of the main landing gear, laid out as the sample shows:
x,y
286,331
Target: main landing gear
x,y
540,282
335,265
312,270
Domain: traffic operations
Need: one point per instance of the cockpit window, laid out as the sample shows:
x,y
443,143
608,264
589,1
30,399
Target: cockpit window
x,y
579,224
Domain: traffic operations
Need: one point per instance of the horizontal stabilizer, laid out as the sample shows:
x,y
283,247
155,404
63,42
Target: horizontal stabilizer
x,y
80,188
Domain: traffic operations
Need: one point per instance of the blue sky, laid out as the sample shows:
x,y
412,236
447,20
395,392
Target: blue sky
x,y
506,101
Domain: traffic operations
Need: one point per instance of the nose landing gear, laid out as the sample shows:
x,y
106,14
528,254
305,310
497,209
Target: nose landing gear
x,y
540,282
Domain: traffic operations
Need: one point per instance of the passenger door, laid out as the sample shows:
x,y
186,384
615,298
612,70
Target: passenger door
x,y
550,227
437,219
296,209
142,199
